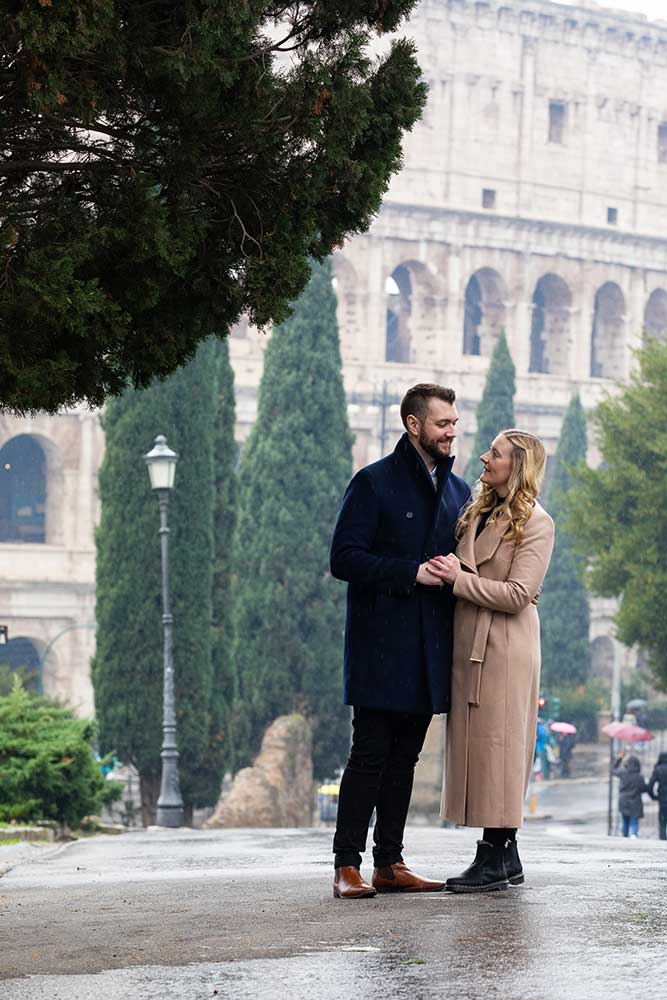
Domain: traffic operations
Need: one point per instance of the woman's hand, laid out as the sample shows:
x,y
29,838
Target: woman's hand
x,y
446,568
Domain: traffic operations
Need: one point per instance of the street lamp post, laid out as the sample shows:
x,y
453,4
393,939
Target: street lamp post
x,y
161,462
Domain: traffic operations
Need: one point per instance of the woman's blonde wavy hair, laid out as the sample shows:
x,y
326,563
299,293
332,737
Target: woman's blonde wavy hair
x,y
529,463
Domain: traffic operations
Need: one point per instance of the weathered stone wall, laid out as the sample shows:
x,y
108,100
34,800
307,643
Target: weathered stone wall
x,y
278,790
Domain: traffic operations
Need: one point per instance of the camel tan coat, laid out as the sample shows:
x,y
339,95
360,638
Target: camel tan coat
x,y
495,673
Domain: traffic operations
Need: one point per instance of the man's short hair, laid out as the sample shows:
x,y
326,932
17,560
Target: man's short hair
x,y
416,399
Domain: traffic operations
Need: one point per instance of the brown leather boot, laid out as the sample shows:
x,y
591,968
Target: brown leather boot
x,y
399,878
348,884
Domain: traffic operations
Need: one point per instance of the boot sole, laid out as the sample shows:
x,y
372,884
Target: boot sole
x,y
491,887
399,888
360,895
517,879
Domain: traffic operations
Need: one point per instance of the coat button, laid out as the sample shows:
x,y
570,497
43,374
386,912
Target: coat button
x,y
409,514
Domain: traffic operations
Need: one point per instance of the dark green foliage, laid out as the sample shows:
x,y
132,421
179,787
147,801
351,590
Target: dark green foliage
x,y
495,412
166,167
220,753
580,706
617,515
48,769
564,611
127,669
288,610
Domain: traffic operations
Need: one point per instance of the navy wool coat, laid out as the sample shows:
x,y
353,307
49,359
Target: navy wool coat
x,y
398,634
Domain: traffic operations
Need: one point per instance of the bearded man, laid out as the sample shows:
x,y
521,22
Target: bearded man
x,y
396,514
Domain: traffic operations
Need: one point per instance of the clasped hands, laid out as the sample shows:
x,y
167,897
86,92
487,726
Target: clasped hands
x,y
438,571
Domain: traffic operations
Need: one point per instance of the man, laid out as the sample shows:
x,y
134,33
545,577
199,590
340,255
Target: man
x,y
395,515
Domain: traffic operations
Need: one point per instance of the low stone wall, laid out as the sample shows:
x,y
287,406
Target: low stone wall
x,y
278,790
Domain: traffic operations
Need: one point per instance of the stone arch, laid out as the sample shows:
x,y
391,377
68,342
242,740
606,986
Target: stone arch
x,y
21,655
31,491
603,653
550,326
484,311
348,292
607,341
23,492
411,297
398,336
655,315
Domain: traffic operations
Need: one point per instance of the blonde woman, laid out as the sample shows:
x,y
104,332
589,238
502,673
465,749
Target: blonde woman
x,y
505,542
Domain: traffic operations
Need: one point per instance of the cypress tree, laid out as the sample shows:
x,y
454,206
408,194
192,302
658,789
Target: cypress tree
x,y
288,610
220,753
127,668
564,610
496,407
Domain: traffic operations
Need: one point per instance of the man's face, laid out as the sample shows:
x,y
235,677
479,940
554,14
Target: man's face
x,y
437,431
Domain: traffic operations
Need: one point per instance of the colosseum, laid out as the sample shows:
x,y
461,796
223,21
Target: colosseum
x,y
533,199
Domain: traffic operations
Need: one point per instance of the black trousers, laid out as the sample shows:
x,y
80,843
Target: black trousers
x,y
662,820
378,775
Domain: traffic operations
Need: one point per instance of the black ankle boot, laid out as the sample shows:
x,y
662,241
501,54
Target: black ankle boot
x,y
486,874
513,865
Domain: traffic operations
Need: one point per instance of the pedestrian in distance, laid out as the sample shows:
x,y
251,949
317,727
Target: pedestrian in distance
x,y
396,514
505,544
631,788
566,744
657,789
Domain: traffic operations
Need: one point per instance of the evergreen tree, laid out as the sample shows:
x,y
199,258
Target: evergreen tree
x,y
127,668
564,610
288,610
220,754
166,167
496,408
616,513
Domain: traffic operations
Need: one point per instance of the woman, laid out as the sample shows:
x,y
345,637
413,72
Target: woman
x,y
630,790
505,543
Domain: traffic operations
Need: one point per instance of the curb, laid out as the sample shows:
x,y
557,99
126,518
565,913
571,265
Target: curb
x,y
23,858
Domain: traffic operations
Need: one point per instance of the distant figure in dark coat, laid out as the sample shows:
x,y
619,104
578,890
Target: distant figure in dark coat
x,y
659,778
630,792
396,514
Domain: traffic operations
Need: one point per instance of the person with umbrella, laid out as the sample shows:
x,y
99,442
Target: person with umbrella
x,y
659,778
632,787
566,735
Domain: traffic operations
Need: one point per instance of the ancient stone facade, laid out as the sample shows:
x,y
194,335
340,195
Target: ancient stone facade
x,y
48,512
533,199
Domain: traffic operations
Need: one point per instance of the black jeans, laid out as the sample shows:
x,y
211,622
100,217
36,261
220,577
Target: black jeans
x,y
378,775
662,820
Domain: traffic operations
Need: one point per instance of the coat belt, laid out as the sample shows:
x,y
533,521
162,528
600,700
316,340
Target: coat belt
x,y
477,654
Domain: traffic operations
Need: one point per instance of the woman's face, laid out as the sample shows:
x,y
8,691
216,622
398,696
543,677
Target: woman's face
x,y
498,462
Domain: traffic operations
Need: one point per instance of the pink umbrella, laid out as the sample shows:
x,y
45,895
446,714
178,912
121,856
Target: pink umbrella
x,y
628,732
562,727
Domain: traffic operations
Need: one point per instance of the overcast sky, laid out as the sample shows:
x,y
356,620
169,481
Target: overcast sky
x,y
655,9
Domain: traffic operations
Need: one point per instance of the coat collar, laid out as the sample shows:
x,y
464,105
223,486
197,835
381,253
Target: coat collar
x,y
473,552
414,460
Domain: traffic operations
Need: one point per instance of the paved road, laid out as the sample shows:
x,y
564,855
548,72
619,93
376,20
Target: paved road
x,y
189,915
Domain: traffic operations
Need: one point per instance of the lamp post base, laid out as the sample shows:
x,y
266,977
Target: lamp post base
x,y
170,816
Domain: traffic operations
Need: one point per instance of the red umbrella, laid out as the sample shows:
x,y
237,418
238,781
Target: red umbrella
x,y
562,727
628,732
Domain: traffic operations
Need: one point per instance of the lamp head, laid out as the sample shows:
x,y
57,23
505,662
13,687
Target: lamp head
x,y
161,462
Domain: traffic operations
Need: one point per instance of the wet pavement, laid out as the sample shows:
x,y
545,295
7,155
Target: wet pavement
x,y
193,914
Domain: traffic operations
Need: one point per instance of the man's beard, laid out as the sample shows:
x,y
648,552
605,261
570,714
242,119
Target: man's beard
x,y
431,448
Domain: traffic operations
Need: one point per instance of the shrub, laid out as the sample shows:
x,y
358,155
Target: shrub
x,y
580,706
48,769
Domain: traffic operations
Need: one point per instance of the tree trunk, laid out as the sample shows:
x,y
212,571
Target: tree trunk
x,y
150,792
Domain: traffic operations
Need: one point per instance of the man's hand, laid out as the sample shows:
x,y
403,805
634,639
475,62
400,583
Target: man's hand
x,y
426,577
446,568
